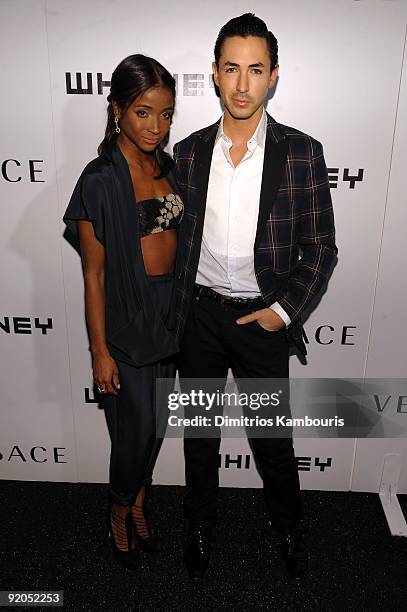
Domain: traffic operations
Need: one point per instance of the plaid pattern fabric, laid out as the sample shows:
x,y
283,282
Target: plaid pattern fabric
x,y
295,247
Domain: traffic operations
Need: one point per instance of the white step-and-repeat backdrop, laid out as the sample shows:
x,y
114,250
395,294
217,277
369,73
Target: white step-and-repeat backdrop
x,y
342,80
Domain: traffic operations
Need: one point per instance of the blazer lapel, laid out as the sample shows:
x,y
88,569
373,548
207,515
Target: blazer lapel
x,y
203,159
275,156
204,150
190,231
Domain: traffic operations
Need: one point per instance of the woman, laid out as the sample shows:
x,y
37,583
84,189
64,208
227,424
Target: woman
x,y
124,213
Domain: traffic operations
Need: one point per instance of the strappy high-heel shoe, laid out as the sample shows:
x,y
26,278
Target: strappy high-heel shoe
x,y
147,540
124,533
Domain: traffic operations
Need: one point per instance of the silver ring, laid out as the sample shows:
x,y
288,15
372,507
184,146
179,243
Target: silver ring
x,y
101,390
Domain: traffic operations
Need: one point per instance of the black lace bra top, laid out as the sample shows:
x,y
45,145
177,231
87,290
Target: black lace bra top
x,y
160,214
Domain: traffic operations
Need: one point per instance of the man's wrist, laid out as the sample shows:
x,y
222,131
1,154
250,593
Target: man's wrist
x,y
281,312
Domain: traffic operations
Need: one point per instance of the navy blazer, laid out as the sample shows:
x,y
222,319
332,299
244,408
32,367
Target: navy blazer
x,y
294,249
104,195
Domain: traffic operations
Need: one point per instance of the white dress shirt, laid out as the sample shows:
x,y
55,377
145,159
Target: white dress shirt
x,y
226,262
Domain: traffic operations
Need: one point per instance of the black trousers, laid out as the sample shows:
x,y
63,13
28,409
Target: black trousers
x,y
130,414
213,343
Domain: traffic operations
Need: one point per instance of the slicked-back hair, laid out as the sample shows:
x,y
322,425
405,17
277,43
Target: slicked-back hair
x,y
247,25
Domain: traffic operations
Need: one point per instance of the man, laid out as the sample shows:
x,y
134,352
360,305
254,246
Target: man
x,y
256,246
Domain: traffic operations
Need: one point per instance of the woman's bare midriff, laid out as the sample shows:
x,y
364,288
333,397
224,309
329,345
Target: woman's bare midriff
x,y
159,252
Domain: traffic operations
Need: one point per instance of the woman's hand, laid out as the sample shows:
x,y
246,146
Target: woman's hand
x,y
106,374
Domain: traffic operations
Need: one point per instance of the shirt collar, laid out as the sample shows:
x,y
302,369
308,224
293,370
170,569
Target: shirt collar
x,y
258,138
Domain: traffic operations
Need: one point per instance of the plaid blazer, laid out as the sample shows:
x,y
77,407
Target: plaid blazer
x,y
294,249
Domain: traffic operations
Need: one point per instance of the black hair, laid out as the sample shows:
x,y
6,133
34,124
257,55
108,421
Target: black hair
x,y
247,25
130,79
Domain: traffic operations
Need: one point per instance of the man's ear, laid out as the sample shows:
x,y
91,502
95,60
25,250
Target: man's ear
x,y
273,76
215,73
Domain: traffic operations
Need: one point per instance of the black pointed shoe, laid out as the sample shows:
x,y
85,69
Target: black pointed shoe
x,y
197,550
293,551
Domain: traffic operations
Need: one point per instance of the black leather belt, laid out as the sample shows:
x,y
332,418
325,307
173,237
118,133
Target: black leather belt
x,y
226,300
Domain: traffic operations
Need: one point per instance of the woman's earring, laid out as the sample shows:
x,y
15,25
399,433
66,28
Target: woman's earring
x,y
117,129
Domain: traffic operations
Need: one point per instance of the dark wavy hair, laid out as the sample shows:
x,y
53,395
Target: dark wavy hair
x,y
130,79
247,25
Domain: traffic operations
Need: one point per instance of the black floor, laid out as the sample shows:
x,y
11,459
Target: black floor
x,y
53,538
